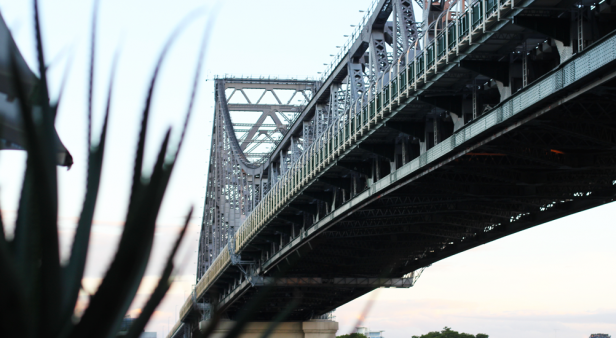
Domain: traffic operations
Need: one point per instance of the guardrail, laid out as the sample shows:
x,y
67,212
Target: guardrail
x,y
221,262
344,49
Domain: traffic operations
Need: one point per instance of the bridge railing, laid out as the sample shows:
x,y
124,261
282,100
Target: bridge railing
x,y
344,49
449,37
221,262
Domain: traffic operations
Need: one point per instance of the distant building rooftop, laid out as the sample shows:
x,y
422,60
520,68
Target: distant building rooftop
x,y
368,333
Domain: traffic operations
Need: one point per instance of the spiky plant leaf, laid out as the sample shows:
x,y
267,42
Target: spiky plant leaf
x,y
12,294
119,286
161,288
74,271
27,234
3,242
138,166
164,284
138,231
42,148
40,293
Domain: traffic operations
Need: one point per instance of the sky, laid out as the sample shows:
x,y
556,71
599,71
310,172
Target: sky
x,y
554,280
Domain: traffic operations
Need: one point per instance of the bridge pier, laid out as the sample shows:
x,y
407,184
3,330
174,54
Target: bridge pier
x,y
316,328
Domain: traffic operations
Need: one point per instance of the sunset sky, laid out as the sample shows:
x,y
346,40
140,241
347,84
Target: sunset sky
x,y
555,280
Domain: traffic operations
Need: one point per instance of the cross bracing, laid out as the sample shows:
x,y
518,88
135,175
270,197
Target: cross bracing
x,y
488,125
230,193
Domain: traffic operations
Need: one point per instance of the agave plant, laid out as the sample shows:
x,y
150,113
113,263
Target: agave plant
x,y
38,293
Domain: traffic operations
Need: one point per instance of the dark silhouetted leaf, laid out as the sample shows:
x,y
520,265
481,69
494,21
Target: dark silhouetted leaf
x,y
161,288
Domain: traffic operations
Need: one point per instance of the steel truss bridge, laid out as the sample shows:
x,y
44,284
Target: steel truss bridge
x,y
423,141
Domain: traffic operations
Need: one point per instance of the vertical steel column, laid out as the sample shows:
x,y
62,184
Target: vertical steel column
x,y
355,80
406,22
308,133
524,65
474,99
580,29
378,55
320,118
435,130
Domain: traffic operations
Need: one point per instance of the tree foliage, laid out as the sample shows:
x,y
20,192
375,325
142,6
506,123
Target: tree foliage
x,y
352,335
449,333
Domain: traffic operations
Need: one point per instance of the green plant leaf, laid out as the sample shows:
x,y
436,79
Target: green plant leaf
x,y
26,240
117,290
43,292
146,111
73,272
11,293
13,323
161,288
42,147
3,241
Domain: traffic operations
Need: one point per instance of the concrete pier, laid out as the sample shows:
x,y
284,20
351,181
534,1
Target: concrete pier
x,y
318,328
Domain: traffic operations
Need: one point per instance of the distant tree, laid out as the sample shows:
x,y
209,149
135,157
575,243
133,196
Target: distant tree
x,y
352,335
449,333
